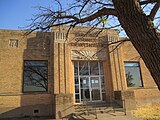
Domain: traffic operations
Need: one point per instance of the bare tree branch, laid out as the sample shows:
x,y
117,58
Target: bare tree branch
x,y
112,43
102,12
118,45
50,18
147,2
104,4
83,6
138,26
154,10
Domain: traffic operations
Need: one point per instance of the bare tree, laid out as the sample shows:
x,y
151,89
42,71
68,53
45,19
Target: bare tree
x,y
136,17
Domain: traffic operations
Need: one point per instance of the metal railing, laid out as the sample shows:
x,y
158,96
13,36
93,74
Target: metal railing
x,y
89,106
121,104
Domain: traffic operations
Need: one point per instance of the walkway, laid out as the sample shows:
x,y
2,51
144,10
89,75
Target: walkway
x,y
103,116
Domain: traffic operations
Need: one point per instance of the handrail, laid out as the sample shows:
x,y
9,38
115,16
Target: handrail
x,y
87,105
124,106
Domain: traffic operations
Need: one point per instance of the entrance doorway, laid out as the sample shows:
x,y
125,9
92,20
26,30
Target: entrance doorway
x,y
90,88
89,81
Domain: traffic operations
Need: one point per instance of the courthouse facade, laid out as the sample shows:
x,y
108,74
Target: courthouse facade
x,y
46,74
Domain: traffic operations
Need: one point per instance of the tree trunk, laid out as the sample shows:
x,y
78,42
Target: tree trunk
x,y
141,33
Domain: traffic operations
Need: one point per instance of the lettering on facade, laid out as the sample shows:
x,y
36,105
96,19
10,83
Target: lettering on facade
x,y
13,43
89,42
88,55
82,34
82,39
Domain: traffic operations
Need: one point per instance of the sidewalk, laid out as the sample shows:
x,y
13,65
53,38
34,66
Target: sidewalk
x,y
103,116
106,116
114,116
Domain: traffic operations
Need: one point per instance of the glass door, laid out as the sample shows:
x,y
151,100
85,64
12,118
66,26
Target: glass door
x,y
85,88
90,88
95,88
88,81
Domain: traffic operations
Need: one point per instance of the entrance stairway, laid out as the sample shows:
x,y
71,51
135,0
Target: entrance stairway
x,y
95,108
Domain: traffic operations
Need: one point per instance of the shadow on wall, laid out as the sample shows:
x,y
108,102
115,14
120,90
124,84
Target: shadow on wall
x,y
35,99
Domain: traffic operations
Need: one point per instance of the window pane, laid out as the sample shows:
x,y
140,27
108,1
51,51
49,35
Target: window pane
x,y
75,68
130,64
94,68
35,76
103,96
102,84
94,82
133,75
76,88
85,94
76,80
83,68
84,82
35,63
95,94
101,68
77,98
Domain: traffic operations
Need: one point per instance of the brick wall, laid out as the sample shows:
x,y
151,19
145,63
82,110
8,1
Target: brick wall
x,y
13,102
59,98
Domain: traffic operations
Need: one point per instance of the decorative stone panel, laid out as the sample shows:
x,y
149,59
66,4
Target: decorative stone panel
x,y
13,43
59,37
88,55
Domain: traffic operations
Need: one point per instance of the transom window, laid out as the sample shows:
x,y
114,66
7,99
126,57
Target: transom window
x,y
133,76
35,76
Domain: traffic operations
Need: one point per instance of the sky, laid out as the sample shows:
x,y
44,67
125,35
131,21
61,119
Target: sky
x,y
15,14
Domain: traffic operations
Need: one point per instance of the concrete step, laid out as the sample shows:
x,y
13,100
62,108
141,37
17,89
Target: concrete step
x,y
98,108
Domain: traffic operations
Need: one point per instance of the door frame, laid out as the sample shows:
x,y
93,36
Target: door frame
x,y
78,76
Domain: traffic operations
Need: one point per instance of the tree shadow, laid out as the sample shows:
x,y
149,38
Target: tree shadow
x,y
35,98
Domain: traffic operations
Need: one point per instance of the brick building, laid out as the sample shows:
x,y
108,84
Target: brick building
x,y
43,74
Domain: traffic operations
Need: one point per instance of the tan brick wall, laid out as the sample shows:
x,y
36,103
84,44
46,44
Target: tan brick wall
x,y
44,46
149,93
11,59
32,47
130,54
11,62
117,68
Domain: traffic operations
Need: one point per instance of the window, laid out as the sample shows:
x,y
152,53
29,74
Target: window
x,y
35,76
133,76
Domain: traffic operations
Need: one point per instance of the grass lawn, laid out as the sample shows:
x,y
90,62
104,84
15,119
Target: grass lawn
x,y
148,112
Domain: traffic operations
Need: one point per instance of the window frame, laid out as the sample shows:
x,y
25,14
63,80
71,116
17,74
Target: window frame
x,y
140,73
23,77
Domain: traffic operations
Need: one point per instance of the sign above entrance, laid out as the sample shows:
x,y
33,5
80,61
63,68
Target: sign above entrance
x,y
88,55
89,41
